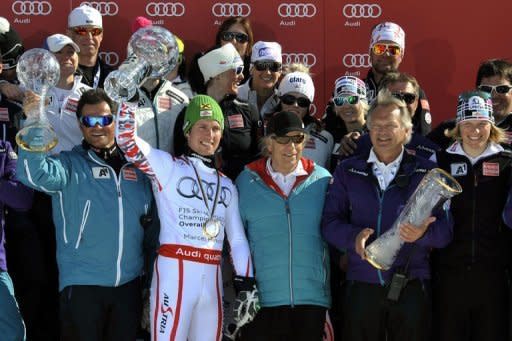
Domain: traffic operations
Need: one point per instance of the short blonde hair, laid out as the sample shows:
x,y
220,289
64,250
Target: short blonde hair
x,y
497,134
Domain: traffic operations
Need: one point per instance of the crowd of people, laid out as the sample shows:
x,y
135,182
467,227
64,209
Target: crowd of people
x,y
211,205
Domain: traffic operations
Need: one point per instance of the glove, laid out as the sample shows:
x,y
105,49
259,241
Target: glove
x,y
247,304
145,322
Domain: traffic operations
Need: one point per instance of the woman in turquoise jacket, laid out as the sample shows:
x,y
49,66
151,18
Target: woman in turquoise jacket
x,y
281,202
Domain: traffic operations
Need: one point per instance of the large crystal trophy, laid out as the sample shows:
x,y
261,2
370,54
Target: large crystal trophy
x,y
155,52
38,70
434,189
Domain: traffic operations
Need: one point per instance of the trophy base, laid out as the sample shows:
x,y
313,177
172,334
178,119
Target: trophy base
x,y
373,261
37,138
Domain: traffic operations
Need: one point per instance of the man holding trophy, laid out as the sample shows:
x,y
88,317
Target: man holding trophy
x,y
367,196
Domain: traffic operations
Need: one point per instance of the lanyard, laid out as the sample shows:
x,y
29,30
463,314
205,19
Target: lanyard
x,y
205,198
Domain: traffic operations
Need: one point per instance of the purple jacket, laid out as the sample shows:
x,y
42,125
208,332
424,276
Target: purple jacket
x,y
355,201
12,193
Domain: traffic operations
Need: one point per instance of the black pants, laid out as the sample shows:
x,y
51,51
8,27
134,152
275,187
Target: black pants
x,y
471,303
300,323
94,313
370,316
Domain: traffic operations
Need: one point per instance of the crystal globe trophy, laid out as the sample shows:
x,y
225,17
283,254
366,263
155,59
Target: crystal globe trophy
x,y
156,52
38,70
434,189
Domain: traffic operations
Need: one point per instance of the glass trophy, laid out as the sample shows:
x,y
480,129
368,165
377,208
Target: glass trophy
x,y
38,70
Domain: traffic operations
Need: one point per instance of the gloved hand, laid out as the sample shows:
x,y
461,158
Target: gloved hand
x,y
145,321
247,303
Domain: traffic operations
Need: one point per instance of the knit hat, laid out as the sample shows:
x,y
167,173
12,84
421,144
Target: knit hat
x,y
202,107
284,122
388,31
218,61
349,86
140,22
266,50
11,46
474,105
84,16
297,82
56,42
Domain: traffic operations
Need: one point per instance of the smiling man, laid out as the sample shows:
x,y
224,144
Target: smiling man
x,y
98,200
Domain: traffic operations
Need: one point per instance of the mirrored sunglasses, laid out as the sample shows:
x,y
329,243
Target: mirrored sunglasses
x,y
393,49
83,31
406,97
265,66
500,89
291,100
239,37
297,139
340,100
92,121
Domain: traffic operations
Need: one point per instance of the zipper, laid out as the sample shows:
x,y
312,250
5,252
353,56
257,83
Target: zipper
x,y
290,255
85,214
121,217
380,195
473,246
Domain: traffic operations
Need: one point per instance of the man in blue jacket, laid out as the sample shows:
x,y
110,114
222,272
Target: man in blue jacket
x,y
98,200
365,199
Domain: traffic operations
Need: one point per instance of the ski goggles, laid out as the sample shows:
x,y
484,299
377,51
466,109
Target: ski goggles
x,y
406,97
297,139
291,100
239,37
92,121
500,89
340,100
380,48
266,66
83,31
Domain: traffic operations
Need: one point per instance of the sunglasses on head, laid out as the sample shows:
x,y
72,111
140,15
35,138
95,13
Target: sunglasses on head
x,y
340,100
239,37
297,139
291,100
265,66
405,97
500,89
83,31
393,49
92,121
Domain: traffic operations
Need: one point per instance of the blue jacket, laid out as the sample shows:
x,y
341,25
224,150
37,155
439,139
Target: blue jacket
x,y
96,214
355,202
290,257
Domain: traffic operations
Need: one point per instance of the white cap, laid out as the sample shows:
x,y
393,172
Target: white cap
x,y
266,50
388,31
297,82
85,15
218,61
56,42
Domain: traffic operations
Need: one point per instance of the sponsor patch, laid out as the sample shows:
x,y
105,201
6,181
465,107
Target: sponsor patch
x,y
4,115
71,105
428,118
491,169
129,174
425,105
459,169
236,121
100,173
164,103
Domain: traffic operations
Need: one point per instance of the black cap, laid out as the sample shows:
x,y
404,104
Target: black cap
x,y
10,44
283,122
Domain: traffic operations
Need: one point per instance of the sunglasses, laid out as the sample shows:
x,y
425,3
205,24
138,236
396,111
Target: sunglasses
x,y
83,31
405,97
339,101
500,89
379,49
239,70
297,139
291,100
265,66
239,37
92,121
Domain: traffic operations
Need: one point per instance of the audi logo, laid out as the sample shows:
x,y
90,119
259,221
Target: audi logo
x,y
105,8
110,58
307,59
357,60
362,11
231,10
296,10
188,188
31,7
165,9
